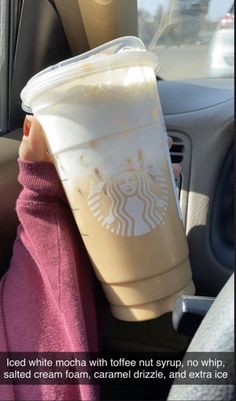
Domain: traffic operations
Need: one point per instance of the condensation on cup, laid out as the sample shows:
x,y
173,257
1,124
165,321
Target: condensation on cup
x,y
104,127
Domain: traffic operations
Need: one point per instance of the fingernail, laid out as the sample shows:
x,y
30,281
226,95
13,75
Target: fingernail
x,y
27,124
26,127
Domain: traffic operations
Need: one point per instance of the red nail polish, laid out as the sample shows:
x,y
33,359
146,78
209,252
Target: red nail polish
x,y
26,127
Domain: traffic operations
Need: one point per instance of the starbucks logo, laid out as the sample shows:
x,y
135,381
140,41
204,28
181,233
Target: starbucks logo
x,y
131,203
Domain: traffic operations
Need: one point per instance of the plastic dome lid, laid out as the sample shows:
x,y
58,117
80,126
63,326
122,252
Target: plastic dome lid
x,y
105,56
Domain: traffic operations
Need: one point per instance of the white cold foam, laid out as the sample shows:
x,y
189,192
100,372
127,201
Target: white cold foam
x,y
98,105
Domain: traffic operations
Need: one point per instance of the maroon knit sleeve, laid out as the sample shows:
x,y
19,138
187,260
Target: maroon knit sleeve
x,y
47,295
40,182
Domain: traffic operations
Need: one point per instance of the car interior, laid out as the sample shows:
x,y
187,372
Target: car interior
x,y
199,116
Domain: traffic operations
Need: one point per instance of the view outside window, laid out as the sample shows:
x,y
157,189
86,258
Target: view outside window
x,y
192,38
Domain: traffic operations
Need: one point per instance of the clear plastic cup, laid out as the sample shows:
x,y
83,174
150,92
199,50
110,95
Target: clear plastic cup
x,y
105,131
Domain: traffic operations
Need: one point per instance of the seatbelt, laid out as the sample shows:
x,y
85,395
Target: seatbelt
x,y
71,19
90,23
100,20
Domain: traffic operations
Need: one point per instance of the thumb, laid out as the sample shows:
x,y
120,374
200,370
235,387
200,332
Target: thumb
x,y
33,146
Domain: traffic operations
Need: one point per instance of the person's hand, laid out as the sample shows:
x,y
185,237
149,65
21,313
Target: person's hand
x,y
33,146
176,167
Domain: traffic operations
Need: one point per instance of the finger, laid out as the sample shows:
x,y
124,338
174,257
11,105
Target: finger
x,y
170,141
27,125
33,146
177,169
38,141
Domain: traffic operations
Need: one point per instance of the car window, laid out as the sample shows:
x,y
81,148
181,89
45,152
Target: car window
x,y
192,38
228,39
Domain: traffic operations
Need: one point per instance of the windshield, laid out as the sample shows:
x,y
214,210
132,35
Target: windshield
x,y
192,38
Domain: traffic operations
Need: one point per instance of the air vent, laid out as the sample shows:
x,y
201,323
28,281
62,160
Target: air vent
x,y
177,150
180,152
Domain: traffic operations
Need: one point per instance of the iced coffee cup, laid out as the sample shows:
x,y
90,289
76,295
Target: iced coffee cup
x,y
104,127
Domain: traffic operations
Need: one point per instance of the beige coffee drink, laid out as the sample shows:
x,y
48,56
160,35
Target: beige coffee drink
x,y
104,126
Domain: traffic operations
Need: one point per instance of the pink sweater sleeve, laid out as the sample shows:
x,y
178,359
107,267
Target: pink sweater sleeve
x,y
47,295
